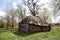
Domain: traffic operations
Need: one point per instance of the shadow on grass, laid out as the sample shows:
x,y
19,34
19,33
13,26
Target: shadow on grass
x,y
22,34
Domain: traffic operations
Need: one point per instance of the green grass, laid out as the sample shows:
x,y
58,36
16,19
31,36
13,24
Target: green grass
x,y
54,34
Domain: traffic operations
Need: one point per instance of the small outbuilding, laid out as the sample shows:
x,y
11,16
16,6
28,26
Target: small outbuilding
x,y
33,24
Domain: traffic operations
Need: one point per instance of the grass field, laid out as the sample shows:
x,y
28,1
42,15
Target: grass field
x,y
54,34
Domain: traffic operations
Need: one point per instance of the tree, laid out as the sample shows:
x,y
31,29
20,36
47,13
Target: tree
x,y
33,7
7,19
2,23
20,13
45,14
56,6
12,14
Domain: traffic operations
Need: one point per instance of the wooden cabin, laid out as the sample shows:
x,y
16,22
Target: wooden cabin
x,y
33,24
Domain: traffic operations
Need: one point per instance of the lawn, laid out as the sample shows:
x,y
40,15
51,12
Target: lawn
x,y
54,34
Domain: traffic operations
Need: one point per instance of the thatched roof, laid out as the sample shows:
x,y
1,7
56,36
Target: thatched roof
x,y
34,20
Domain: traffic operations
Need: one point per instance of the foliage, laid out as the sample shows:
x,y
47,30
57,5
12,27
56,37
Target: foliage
x,y
2,23
45,14
20,13
56,6
7,19
13,17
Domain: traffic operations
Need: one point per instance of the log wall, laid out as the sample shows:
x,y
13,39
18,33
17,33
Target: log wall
x,y
24,27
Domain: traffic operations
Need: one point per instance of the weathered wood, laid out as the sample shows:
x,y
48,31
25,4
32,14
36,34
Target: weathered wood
x,y
33,24
46,28
24,27
34,28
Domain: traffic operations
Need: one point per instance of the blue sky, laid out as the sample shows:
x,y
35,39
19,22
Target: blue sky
x,y
2,4
7,3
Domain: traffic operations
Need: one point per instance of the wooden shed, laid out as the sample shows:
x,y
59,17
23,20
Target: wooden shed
x,y
33,24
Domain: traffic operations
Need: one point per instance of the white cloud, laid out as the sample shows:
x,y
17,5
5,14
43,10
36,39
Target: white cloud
x,y
27,11
14,4
55,19
2,13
